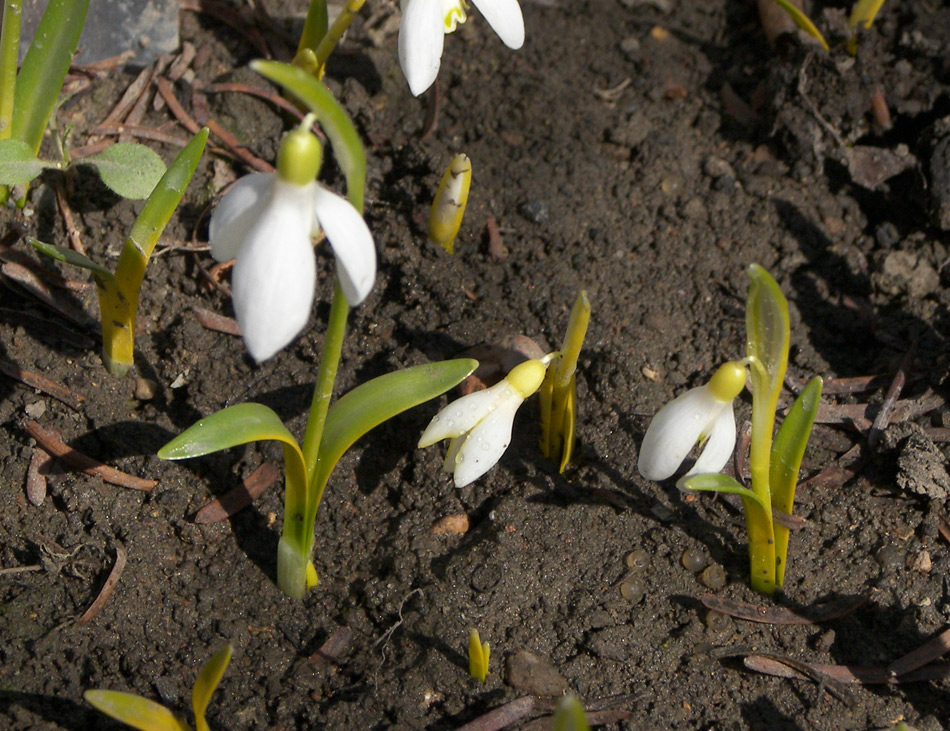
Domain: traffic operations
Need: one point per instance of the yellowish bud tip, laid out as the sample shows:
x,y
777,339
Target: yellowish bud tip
x,y
728,381
526,378
445,217
312,580
300,155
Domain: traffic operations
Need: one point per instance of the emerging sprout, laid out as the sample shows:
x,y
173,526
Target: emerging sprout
x,y
119,292
478,654
479,424
569,715
426,22
147,715
448,208
559,391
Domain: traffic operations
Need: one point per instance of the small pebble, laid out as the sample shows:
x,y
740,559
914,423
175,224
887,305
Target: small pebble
x,y
694,559
145,389
922,562
451,524
717,621
36,409
713,576
633,589
638,560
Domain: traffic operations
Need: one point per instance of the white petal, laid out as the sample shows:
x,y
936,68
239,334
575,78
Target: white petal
x,y
505,17
352,243
236,213
486,443
275,272
719,446
463,414
421,35
675,430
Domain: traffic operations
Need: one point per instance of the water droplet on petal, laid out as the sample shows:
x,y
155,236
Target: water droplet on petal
x,y
486,446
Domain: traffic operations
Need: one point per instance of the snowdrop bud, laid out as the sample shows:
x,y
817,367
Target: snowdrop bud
x,y
300,155
445,217
728,380
526,378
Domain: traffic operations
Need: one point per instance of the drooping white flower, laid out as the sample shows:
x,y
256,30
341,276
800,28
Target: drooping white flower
x,y
479,424
702,414
426,22
265,223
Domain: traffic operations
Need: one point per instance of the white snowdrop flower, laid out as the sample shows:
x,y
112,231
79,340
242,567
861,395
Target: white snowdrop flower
x,y
265,223
479,424
703,414
426,22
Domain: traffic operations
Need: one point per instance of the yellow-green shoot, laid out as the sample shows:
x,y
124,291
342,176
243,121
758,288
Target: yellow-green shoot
x,y
558,394
863,13
317,40
28,100
119,291
774,466
478,655
569,715
147,715
330,430
448,207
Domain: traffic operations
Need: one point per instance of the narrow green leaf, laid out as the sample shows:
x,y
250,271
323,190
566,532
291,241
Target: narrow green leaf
x,y
864,11
767,326
135,711
379,400
227,428
18,164
166,196
129,169
569,715
334,120
803,22
715,482
786,461
9,51
44,69
69,256
206,682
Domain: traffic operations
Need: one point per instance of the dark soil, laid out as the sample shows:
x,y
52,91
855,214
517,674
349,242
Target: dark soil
x,y
643,151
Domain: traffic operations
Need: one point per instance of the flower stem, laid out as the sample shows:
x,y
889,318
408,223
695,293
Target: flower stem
x,y
759,523
9,49
323,391
333,36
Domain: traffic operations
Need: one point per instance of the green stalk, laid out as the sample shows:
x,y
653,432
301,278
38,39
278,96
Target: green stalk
x,y
119,295
9,49
326,377
314,29
333,36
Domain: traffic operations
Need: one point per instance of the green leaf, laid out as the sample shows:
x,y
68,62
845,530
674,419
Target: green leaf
x,y
135,711
70,256
44,69
569,715
786,461
206,682
334,120
228,428
767,327
129,169
715,482
803,22
864,11
18,164
379,400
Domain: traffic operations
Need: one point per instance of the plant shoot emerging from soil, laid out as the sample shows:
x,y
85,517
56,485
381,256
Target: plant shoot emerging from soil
x,y
558,395
425,24
479,424
478,655
265,223
862,13
317,40
707,412
448,208
145,714
330,432
569,715
119,292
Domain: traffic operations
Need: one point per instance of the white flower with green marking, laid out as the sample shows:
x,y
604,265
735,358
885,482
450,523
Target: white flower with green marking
x,y
701,415
426,22
479,424
265,223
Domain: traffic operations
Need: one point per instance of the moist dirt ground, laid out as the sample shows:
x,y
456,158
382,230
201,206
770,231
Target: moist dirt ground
x,y
645,151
